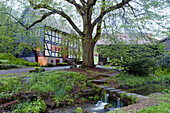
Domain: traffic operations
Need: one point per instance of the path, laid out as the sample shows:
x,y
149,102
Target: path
x,y
22,70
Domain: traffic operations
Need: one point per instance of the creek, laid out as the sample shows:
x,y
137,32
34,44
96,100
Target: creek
x,y
148,89
99,107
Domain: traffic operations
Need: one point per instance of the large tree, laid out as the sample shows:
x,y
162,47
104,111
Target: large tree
x,y
90,14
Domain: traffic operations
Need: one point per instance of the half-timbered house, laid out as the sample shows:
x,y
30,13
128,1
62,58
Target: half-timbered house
x,y
54,41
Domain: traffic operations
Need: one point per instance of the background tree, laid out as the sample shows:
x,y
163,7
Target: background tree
x,y
90,14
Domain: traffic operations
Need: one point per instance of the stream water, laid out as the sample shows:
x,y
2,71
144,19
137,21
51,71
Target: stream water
x,y
149,89
94,108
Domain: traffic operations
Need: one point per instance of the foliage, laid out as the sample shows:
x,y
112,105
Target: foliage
x,y
61,64
78,110
13,60
49,65
141,67
60,94
10,84
134,58
164,62
123,95
33,107
7,96
37,69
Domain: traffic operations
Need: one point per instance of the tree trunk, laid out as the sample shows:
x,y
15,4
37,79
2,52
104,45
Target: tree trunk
x,y
88,48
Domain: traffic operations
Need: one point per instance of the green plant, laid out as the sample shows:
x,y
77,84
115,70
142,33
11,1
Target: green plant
x,y
39,69
61,64
134,99
142,67
78,110
90,97
123,95
68,88
96,98
166,91
11,59
162,107
34,107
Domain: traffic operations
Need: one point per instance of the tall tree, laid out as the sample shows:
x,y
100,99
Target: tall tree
x,y
90,15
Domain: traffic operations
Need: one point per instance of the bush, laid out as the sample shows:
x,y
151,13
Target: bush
x,y
164,61
49,65
61,64
141,67
32,107
11,59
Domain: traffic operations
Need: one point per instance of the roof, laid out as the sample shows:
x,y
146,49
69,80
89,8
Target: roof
x,y
125,38
165,39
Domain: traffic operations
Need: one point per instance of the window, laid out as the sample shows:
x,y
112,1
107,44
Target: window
x,y
56,48
53,48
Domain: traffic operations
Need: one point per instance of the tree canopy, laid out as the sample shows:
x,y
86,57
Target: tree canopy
x,y
89,17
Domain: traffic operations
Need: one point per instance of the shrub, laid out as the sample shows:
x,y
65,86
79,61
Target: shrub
x,y
11,59
141,67
32,107
164,62
61,64
49,65
78,110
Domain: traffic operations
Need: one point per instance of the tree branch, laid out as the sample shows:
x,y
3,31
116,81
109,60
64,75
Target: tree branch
x,y
73,2
92,2
61,13
98,32
83,3
120,5
79,8
40,20
16,20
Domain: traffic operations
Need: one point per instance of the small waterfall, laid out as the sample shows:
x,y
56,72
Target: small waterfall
x,y
100,104
118,103
106,98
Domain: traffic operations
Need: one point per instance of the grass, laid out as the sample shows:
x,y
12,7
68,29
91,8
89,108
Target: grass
x,y
63,88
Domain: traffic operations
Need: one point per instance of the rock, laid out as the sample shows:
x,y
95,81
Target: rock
x,y
98,81
108,89
142,97
133,94
107,107
114,91
119,93
102,86
88,92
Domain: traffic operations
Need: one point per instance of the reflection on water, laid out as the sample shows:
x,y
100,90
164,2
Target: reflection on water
x,y
149,89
